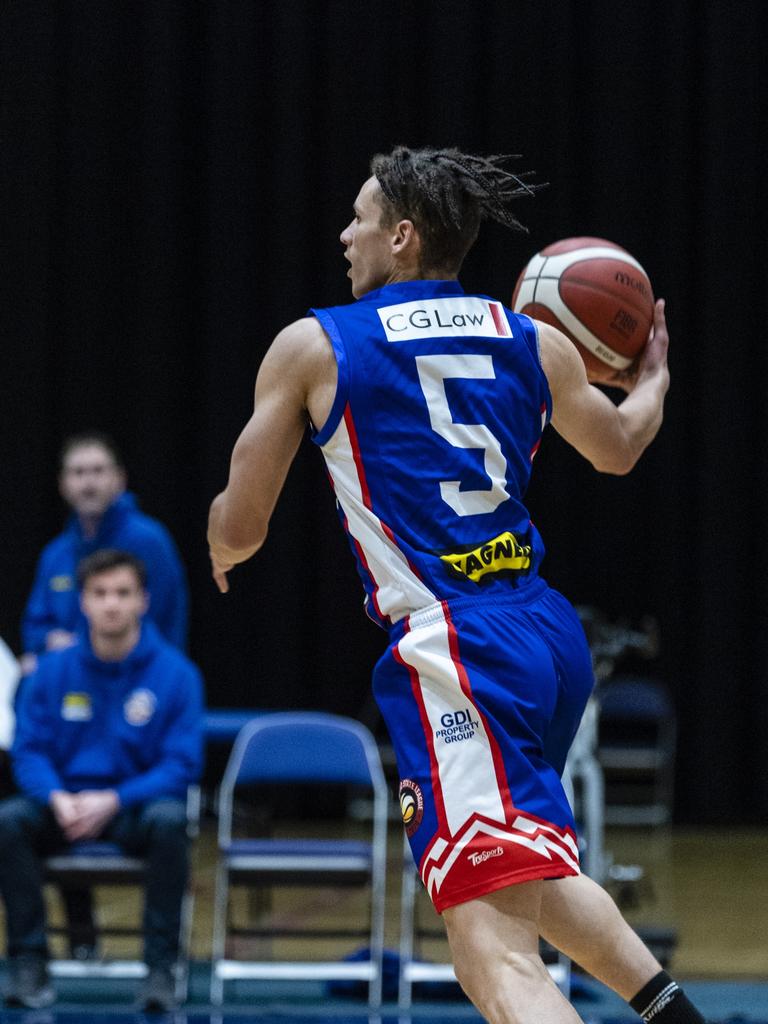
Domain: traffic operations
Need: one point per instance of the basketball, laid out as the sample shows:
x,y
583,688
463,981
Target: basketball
x,y
596,294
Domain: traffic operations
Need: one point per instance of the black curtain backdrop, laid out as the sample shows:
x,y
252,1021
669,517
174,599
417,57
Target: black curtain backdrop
x,y
175,177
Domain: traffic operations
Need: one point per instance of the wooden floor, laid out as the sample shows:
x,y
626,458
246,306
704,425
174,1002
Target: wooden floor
x,y
711,886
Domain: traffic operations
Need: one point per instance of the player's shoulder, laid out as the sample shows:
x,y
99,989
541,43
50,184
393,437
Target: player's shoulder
x,y
307,329
301,346
558,355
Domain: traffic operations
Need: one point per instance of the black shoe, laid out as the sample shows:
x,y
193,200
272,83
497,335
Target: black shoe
x,y
159,992
29,984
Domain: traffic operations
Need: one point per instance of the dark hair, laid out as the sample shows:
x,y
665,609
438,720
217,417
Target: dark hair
x,y
446,194
87,438
110,558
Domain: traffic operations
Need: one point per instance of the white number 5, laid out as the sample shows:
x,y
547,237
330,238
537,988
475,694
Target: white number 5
x,y
433,371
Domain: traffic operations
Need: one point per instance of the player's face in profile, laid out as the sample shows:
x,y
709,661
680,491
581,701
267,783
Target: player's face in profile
x,y
367,243
113,601
90,481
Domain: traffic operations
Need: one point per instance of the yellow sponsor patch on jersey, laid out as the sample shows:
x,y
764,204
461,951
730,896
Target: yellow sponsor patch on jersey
x,y
501,554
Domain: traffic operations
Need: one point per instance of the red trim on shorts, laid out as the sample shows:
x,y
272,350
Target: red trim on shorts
x,y
437,792
466,686
469,892
502,860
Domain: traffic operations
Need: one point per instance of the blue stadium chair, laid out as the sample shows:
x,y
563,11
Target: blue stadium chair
x,y
102,863
306,748
222,725
636,750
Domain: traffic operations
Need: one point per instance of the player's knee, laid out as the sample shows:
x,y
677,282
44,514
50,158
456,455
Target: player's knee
x,y
166,819
13,814
499,982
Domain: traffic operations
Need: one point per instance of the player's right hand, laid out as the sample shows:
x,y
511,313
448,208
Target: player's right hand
x,y
651,361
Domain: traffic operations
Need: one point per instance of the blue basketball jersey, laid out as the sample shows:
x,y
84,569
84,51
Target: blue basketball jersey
x,y
440,405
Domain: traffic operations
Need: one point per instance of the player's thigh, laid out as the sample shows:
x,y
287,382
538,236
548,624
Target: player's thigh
x,y
507,919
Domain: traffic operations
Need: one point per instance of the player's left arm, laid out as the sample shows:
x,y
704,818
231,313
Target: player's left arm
x,y
612,437
239,516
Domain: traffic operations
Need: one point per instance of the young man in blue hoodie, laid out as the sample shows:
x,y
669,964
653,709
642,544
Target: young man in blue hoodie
x,y
92,482
108,738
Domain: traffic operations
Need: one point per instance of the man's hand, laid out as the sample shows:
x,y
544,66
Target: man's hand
x,y
84,815
59,639
223,558
64,807
220,566
95,809
651,361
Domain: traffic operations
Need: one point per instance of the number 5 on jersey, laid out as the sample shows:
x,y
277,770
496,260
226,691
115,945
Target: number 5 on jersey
x,y
433,371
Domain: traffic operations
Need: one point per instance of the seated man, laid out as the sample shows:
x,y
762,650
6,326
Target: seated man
x,y
92,481
108,738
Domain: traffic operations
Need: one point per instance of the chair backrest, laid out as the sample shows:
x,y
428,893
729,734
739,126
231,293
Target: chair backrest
x,y
302,746
636,698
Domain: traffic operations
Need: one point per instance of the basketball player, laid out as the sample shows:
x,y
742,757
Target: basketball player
x,y
428,405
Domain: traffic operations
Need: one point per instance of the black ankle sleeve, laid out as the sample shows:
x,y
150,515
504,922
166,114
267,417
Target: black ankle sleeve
x,y
664,1002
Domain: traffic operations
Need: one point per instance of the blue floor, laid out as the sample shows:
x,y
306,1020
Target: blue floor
x,y
92,1003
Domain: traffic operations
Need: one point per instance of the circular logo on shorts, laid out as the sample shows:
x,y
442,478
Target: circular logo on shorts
x,y
411,805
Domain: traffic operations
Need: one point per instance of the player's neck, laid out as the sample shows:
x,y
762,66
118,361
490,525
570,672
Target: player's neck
x,y
90,525
115,647
420,274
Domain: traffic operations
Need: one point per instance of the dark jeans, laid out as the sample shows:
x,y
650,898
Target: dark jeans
x,y
156,831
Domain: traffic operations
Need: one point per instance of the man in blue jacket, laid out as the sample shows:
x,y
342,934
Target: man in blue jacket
x,y
108,738
92,482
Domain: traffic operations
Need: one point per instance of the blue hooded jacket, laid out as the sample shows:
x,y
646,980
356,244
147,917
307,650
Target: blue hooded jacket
x,y
54,601
133,725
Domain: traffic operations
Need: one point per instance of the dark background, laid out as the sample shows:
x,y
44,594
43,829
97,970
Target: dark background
x,y
175,177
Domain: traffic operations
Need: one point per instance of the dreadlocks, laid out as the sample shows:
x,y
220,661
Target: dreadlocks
x,y
447,193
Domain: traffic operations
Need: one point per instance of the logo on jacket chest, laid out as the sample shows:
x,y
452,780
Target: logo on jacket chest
x,y
139,706
76,707
61,584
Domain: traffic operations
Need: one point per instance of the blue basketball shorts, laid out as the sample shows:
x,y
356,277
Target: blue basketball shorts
x,y
482,698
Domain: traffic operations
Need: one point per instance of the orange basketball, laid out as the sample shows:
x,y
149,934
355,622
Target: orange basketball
x,y
596,294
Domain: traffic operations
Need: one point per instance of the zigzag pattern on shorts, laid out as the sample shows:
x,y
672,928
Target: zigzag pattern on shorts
x,y
542,839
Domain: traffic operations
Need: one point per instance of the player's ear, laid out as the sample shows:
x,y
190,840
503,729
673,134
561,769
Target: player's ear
x,y
405,238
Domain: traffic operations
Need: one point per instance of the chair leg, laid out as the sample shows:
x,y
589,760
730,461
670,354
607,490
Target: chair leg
x,y
377,937
407,901
221,898
185,943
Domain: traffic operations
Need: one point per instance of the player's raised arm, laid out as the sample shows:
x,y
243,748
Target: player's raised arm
x,y
286,381
611,437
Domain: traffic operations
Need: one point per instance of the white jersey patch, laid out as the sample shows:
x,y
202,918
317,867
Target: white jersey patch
x,y
460,316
